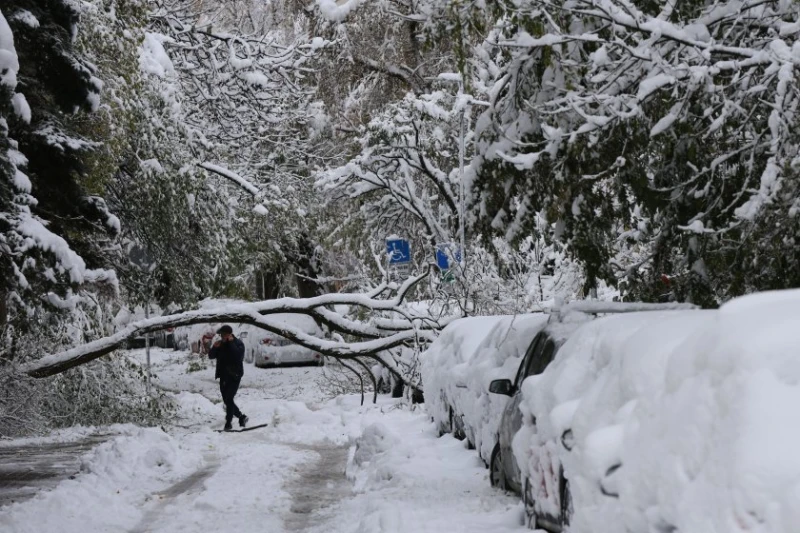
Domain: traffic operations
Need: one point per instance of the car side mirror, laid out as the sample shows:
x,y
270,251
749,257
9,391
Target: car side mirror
x,y
501,386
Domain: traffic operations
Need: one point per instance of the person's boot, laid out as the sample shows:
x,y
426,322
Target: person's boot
x,y
228,426
243,421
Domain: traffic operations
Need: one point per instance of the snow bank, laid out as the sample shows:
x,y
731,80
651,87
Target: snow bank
x,y
376,439
410,480
464,359
687,420
126,461
114,474
192,406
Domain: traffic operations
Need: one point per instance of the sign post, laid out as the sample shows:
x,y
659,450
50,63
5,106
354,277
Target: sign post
x,y
147,350
139,257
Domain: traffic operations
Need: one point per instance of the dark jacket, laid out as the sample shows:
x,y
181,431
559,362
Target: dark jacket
x,y
229,356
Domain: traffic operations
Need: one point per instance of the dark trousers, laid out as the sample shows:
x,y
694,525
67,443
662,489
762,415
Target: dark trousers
x,y
228,387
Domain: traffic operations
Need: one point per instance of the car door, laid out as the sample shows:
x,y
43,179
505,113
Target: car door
x,y
544,356
512,417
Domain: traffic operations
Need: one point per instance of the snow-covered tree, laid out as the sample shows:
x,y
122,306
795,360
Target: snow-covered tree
x,y
58,246
663,129
54,228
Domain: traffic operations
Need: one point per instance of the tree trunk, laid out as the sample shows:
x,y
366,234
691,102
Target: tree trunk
x,y
268,284
305,264
3,309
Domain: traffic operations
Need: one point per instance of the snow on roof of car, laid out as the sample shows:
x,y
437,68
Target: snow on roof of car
x,y
460,338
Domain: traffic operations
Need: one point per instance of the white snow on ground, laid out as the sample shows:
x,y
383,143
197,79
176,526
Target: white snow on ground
x,y
289,476
179,371
700,409
407,480
114,474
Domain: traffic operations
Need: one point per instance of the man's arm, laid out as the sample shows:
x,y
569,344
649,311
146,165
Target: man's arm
x,y
213,353
238,349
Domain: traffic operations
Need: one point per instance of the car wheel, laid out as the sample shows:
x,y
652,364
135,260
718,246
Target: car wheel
x,y
496,476
457,423
455,427
441,429
530,508
566,503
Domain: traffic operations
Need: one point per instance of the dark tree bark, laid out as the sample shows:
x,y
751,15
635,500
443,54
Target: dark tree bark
x,y
303,258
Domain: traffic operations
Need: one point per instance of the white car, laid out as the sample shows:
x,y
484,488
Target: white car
x,y
270,350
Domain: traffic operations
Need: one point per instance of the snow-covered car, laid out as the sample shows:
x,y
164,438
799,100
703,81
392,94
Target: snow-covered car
x,y
674,421
460,364
274,350
444,363
504,471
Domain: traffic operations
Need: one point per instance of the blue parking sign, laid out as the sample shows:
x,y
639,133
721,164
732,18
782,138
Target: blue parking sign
x,y
399,251
443,254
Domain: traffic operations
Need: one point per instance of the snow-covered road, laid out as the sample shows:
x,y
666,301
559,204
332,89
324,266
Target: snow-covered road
x,y
320,466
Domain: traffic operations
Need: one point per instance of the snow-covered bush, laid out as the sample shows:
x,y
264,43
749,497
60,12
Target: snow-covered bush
x,y
460,364
676,421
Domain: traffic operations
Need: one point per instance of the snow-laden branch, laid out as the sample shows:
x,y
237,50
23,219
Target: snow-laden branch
x,y
723,77
258,314
232,176
407,166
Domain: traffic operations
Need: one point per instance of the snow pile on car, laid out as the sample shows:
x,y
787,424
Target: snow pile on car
x,y
464,359
677,421
497,357
444,363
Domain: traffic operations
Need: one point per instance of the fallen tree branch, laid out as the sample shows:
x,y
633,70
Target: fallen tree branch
x,y
372,378
357,373
258,314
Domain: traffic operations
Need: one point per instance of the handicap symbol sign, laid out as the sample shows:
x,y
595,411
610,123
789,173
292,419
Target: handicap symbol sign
x,y
399,251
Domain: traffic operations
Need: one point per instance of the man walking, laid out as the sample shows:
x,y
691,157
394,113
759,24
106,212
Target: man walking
x,y
229,353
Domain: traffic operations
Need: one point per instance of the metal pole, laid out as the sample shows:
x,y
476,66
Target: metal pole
x,y
461,151
147,350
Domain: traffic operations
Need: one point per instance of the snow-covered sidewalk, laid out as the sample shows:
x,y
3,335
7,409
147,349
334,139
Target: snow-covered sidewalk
x,y
330,466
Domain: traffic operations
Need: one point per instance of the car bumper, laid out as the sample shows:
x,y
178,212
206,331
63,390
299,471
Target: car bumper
x,y
286,356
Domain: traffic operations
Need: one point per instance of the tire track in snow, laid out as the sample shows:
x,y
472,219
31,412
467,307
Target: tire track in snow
x,y
320,485
185,486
